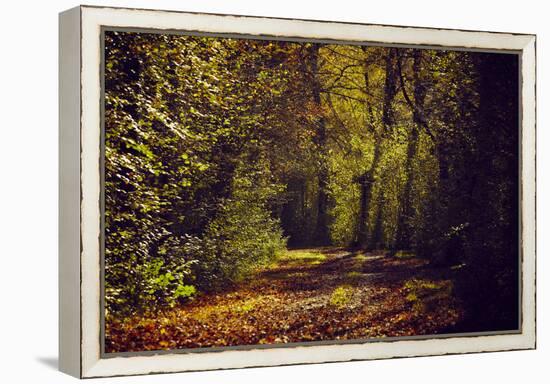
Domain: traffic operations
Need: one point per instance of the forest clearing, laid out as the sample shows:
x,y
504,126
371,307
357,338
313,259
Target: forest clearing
x,y
308,295
260,191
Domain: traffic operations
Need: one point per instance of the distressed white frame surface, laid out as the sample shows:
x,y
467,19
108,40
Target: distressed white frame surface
x,y
80,336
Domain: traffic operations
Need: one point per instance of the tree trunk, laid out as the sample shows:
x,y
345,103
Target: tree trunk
x,y
376,240
404,228
404,223
321,234
366,180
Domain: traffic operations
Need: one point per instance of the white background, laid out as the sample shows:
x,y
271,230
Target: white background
x,y
28,193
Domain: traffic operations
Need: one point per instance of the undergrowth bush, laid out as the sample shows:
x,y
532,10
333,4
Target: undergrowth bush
x,y
150,282
242,238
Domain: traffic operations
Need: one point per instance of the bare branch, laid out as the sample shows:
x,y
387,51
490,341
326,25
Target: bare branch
x,y
415,109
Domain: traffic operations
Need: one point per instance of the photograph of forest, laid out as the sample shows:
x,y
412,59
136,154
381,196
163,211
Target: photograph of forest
x,y
272,192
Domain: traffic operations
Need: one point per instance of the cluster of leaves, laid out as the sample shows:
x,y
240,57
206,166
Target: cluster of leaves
x,y
243,236
188,173
425,294
279,307
341,296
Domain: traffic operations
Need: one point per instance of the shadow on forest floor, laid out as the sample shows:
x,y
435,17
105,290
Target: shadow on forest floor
x,y
307,295
342,266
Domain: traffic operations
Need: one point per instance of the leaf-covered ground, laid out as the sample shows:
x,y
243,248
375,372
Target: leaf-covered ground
x,y
308,295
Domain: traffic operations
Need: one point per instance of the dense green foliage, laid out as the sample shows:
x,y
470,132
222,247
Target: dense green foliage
x,y
220,151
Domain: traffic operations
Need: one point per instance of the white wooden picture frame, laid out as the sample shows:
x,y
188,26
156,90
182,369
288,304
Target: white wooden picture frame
x,y
80,186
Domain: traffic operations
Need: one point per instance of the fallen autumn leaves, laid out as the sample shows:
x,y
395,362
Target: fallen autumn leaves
x,y
309,295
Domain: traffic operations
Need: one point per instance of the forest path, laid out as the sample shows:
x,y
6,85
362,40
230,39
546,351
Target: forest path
x,y
307,295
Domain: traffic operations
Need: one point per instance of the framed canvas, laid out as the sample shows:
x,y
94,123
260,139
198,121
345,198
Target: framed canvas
x,y
249,191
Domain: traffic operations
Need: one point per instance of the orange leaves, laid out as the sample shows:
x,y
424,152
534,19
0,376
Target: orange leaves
x,y
291,302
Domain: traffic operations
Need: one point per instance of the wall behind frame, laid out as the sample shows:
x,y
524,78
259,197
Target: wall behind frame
x,y
69,192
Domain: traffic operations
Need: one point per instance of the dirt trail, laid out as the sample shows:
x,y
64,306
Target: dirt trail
x,y
308,295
